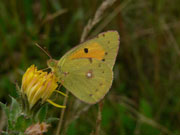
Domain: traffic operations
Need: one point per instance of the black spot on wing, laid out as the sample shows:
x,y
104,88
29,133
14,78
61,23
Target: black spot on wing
x,y
103,59
106,53
86,50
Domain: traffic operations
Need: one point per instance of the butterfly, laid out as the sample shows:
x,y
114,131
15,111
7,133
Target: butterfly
x,y
86,70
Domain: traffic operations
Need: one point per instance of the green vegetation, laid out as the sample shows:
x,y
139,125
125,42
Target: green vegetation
x,y
145,95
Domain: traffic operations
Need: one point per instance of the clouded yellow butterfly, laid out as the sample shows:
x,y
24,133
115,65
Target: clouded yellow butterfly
x,y
86,70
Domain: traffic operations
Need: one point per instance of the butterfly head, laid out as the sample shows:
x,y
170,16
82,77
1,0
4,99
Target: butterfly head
x,y
52,64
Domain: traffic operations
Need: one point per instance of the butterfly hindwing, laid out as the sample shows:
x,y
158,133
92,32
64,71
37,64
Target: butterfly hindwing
x,y
88,79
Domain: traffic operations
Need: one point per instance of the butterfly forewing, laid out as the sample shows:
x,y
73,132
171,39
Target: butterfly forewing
x,y
110,42
104,47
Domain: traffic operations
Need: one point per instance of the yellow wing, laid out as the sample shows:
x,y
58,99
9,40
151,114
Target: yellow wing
x,y
104,47
86,70
87,79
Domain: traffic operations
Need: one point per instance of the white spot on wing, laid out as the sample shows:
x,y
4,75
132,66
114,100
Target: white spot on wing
x,y
89,74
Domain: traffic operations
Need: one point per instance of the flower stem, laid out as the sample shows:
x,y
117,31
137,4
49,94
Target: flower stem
x,y
62,114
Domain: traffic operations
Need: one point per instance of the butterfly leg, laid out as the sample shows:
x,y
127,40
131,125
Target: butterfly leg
x,y
58,91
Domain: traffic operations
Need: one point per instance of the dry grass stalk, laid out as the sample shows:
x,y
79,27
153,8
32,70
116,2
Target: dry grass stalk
x,y
111,16
99,119
170,37
97,18
54,15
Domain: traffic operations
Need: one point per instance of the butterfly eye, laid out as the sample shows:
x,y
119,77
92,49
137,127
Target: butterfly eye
x,y
86,50
51,63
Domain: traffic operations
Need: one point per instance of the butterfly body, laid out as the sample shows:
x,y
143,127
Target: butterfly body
x,y
86,70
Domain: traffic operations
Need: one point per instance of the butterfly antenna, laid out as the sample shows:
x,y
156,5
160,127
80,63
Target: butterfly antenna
x,y
43,50
45,69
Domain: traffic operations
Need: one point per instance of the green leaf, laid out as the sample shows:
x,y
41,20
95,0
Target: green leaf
x,y
145,108
5,109
107,115
4,133
72,130
149,130
52,119
41,114
15,109
22,123
125,120
7,112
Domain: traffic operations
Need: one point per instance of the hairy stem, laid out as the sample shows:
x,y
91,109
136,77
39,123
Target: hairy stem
x,y
62,114
99,118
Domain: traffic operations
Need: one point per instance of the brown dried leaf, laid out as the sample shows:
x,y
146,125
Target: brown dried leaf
x,y
37,129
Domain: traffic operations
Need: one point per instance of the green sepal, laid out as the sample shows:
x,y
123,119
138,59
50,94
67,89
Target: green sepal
x,y
41,114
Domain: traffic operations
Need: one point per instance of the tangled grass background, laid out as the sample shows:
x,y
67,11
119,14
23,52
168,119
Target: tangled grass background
x,y
145,96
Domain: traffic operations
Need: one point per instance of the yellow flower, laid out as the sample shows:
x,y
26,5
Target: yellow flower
x,y
39,85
